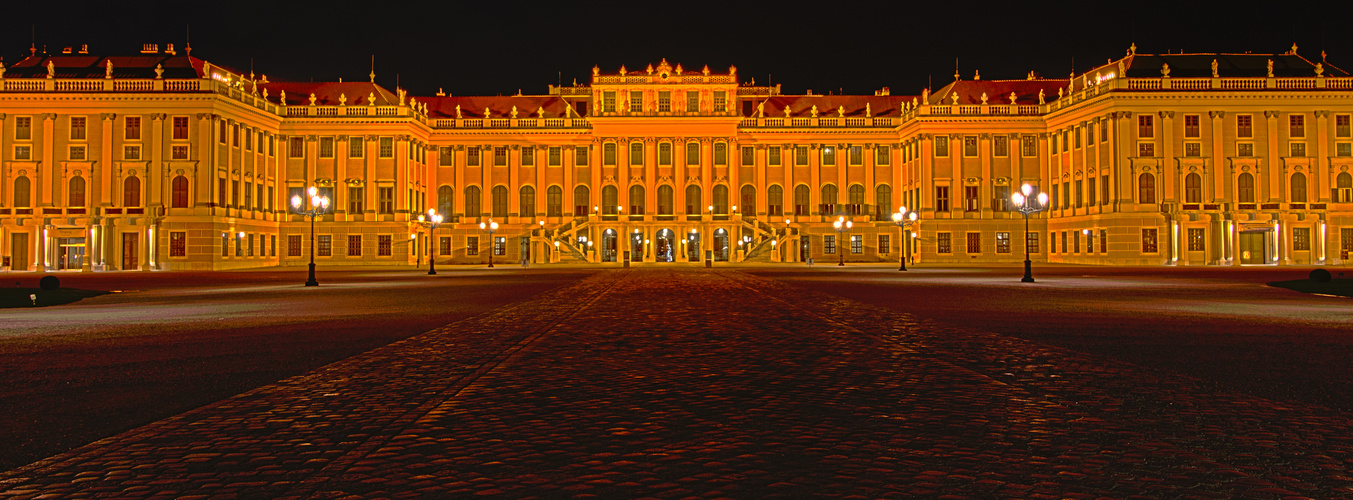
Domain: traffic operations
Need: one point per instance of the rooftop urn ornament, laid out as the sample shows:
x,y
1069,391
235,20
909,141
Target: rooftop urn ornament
x,y
514,112
486,112
913,103
51,69
1214,68
1270,68
954,97
1319,70
1030,76
1012,98
371,99
596,71
540,112
457,111
312,98
623,70
984,98
650,68
977,75
868,111
108,73
705,71
1040,97
265,93
1132,49
732,71
1165,70
841,111
786,111
1294,47
413,101
814,111
678,69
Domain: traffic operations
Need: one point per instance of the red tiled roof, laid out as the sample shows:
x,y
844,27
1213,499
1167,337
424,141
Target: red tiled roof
x,y
1287,65
998,91
828,105
498,106
329,93
93,66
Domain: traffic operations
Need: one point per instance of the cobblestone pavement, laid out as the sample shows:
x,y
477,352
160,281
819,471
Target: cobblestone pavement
x,y
674,383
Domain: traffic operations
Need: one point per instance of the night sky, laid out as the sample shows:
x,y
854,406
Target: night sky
x,y
498,47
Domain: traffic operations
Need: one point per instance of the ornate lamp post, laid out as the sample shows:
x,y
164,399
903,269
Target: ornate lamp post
x,y
433,220
903,219
318,206
490,227
1026,205
841,225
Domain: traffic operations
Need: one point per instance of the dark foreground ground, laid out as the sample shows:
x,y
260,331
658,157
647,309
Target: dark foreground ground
x,y
675,383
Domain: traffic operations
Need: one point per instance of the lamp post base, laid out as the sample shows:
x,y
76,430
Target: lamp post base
x,y
1028,272
311,281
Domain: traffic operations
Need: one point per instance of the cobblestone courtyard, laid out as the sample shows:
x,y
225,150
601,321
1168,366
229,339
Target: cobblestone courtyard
x,y
676,383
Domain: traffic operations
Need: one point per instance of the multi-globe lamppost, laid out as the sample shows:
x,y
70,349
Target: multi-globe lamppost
x,y
903,219
1028,205
433,220
490,227
318,205
841,225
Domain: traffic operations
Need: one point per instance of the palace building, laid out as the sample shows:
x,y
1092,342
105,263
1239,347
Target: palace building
x,y
162,160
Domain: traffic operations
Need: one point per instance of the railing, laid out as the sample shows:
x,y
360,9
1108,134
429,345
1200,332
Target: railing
x,y
508,123
869,122
1144,84
1242,83
1296,83
132,85
1191,83
79,85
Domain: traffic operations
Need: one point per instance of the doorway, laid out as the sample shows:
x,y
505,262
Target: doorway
x,y
664,251
721,245
19,252
70,253
693,246
129,262
1254,247
1345,243
608,245
805,247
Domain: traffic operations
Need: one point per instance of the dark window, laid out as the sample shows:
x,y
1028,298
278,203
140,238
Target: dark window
x,y
76,192
1193,188
386,203
131,192
943,245
356,199
180,128
974,242
1244,126
1146,189
354,245
1002,242
554,201
1149,240
326,245
178,244
294,245
941,198
527,203
472,204
384,243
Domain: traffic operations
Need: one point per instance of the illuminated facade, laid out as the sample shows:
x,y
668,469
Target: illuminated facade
x,y
165,161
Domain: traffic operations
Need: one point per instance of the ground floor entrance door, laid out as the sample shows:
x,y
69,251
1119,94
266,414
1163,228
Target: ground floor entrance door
x,y
1253,247
693,247
721,245
805,248
18,249
129,254
1345,243
70,253
664,250
608,246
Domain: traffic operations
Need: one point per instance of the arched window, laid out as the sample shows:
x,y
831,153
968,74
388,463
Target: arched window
x,y
1298,188
610,200
499,194
829,194
883,201
1146,188
1193,188
1245,188
554,201
446,201
1344,187
801,199
76,190
775,200
636,200
582,201
527,204
180,192
748,203
22,192
664,200
472,205
693,206
856,194
720,201
131,192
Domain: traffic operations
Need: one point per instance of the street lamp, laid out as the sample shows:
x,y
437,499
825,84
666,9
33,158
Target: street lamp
x,y
433,220
903,219
490,227
841,225
317,206
1026,205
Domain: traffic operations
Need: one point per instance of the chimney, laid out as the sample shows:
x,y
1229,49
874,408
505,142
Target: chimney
x,y
169,49
67,50
84,48
150,48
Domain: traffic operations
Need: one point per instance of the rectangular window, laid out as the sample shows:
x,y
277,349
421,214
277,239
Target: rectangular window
x,y
249,144
829,244
665,153
970,201
1244,126
1080,199
293,245
1002,242
1297,125
384,244
1146,149
326,147
225,244
692,101
471,245
556,156
248,197
720,153
1191,128
1193,149
386,200
974,242
882,155
1001,201
178,244
607,103
720,101
828,156
355,199
297,149
235,135
1000,146
354,245
472,156
580,154
1065,247
1149,240
1052,242
941,146
1301,239
941,198
857,243
942,243
1341,126
1075,241
885,244
133,130
1298,150
23,128
1197,240
800,155
387,147
1031,239
77,153
179,153
1104,188
1029,145
500,245
500,156
528,156
356,146
608,154
325,245
1090,191
636,101
855,155
664,101
445,244
131,152
446,157
1054,199
1076,133
1103,241
1146,126
180,128
1103,132
1244,149
1343,149
77,128
250,245
748,156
